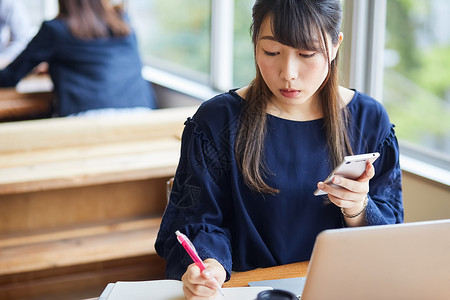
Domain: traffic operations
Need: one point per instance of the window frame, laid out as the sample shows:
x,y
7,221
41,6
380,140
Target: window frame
x,y
220,77
222,33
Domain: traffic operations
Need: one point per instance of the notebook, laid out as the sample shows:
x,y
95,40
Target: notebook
x,y
169,290
402,261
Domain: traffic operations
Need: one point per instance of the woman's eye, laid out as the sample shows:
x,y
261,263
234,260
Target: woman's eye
x,y
307,55
270,53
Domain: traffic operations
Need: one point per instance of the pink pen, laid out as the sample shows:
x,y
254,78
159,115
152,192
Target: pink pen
x,y
190,249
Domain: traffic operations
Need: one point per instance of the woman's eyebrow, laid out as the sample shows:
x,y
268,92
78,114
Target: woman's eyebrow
x,y
268,37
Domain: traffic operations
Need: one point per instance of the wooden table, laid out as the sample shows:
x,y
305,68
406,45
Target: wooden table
x,y
32,98
241,279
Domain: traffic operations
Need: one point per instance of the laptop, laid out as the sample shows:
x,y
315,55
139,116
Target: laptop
x,y
401,261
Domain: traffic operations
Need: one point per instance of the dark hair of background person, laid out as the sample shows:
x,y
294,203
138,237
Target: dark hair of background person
x,y
89,19
297,24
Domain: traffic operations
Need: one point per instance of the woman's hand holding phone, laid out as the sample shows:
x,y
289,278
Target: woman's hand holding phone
x,y
349,193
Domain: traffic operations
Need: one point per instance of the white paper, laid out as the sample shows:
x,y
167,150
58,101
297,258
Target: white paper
x,y
173,290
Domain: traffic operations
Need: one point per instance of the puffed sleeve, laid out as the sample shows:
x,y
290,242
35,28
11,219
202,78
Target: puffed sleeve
x,y
40,48
197,205
385,204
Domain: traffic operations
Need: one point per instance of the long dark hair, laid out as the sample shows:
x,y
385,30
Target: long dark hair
x,y
298,24
89,19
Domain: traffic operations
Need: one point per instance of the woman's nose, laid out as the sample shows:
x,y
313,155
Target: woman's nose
x,y
289,68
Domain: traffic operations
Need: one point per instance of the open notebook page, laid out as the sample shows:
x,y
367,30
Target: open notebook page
x,y
173,290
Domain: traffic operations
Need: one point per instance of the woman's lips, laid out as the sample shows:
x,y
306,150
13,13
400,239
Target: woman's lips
x,y
288,93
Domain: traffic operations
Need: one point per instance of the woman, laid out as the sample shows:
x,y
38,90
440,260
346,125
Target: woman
x,y
252,158
92,57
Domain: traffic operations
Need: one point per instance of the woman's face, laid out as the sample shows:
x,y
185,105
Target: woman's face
x,y
293,75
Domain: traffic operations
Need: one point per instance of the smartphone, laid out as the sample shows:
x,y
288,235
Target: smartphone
x,y
351,167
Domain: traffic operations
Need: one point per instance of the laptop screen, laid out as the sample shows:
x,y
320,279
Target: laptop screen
x,y
401,261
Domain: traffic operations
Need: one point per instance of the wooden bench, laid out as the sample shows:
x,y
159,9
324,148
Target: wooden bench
x,y
81,201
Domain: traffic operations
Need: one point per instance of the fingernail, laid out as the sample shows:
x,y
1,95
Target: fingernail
x,y
336,180
320,184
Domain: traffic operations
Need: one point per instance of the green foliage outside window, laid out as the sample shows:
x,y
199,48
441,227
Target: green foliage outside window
x,y
417,84
174,34
244,66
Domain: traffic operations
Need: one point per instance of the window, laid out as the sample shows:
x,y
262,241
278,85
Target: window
x,y
174,35
398,53
405,64
244,66
416,86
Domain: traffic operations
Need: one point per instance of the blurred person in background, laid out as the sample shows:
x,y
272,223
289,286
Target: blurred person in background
x,y
93,60
14,30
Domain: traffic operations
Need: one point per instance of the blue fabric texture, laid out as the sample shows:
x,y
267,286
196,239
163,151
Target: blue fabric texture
x,y
87,74
244,230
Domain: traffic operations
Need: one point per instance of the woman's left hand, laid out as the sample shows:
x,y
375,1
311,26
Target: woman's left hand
x,y
350,194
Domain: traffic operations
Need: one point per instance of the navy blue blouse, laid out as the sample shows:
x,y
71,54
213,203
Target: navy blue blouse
x,y
87,74
244,230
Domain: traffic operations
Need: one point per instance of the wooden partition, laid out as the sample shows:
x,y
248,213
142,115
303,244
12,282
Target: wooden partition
x,y
81,201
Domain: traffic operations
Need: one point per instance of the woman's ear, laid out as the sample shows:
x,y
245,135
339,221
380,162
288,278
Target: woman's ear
x,y
341,37
336,46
